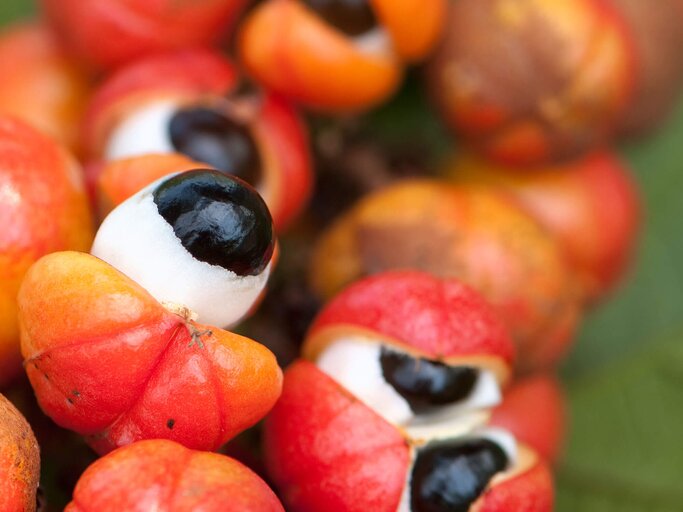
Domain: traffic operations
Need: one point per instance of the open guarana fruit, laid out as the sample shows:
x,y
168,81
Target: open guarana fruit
x,y
337,55
407,432
188,103
110,361
19,461
43,208
470,232
182,480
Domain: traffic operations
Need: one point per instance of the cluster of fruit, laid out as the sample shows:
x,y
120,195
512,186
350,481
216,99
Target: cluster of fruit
x,y
126,132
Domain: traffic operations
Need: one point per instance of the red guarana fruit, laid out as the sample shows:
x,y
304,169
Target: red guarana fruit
x,y
591,206
43,208
534,410
109,34
184,110
165,476
358,421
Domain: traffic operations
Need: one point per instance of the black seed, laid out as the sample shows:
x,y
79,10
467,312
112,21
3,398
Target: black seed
x,y
353,17
170,423
426,384
211,137
449,476
219,219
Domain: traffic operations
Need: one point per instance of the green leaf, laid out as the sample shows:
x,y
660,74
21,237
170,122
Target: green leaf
x,y
625,446
650,306
625,375
15,9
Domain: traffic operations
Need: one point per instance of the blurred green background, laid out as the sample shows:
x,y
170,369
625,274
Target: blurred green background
x,y
625,376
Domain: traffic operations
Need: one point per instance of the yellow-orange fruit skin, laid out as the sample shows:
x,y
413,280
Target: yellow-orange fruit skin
x,y
533,81
43,208
107,360
45,87
19,461
472,233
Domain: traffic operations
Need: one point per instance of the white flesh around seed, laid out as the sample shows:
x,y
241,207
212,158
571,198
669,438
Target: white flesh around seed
x,y
142,133
502,438
137,240
374,42
354,363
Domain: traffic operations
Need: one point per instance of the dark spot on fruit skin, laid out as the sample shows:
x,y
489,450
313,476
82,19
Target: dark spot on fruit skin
x,y
426,384
207,135
219,219
170,424
353,17
449,476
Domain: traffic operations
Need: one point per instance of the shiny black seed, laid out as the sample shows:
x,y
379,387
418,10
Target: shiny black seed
x,y
449,476
209,136
219,219
426,384
353,17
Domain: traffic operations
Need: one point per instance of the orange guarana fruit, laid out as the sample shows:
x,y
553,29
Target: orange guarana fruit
x,y
107,360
